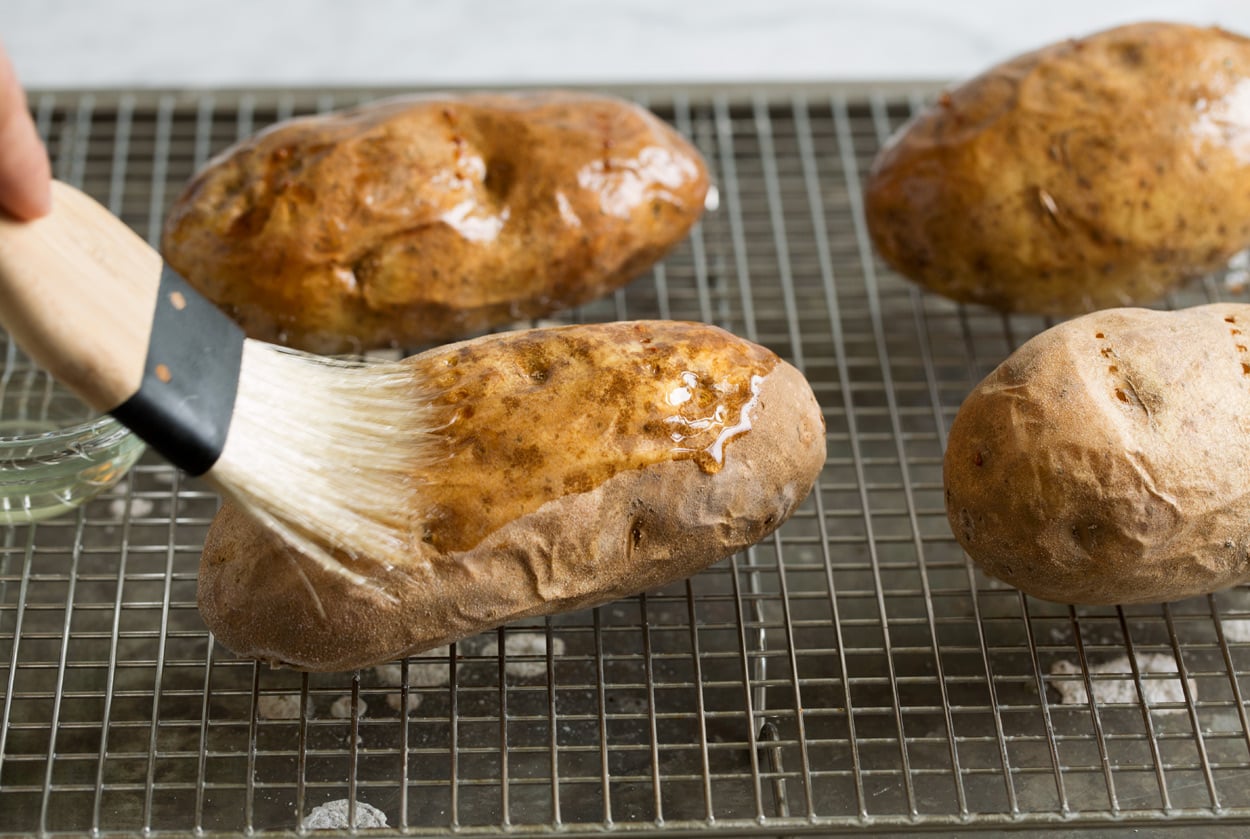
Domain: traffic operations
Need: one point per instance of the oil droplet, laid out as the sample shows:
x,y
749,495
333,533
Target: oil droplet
x,y
711,458
681,395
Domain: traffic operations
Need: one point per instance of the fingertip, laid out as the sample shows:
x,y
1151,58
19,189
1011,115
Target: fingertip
x,y
26,181
39,195
27,206
25,171
38,202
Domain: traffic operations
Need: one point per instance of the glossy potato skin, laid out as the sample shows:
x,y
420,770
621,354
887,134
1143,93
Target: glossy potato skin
x,y
1092,173
577,465
1104,462
422,219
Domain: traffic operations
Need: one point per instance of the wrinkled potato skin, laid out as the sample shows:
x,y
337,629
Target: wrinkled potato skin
x,y
1104,462
1092,173
577,465
422,219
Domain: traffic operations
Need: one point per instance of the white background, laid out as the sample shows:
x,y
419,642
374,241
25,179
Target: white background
x,y
198,43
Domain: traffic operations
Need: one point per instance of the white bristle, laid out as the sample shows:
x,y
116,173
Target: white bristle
x,y
324,452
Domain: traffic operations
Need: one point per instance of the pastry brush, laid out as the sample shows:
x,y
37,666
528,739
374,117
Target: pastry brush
x,y
323,451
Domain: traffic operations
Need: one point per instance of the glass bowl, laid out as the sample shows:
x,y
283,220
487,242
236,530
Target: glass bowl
x,y
55,451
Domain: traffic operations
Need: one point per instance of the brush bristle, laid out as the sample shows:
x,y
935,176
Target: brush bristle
x,y
325,453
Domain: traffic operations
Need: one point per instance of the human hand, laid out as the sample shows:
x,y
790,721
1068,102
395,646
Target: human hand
x,y
25,174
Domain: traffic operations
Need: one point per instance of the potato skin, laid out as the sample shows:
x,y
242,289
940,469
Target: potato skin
x,y
582,464
1104,462
421,219
1091,173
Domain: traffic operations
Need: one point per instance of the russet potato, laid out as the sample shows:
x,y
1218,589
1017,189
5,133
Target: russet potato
x,y
1092,173
1105,460
427,218
574,466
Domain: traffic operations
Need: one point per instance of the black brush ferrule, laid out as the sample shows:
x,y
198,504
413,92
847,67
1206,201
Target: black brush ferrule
x,y
190,378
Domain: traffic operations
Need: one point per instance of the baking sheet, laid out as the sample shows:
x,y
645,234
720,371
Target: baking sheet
x,y
850,671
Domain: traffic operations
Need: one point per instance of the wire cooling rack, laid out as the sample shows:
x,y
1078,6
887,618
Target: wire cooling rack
x,y
852,671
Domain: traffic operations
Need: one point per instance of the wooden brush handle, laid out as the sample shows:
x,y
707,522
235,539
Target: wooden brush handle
x,y
77,291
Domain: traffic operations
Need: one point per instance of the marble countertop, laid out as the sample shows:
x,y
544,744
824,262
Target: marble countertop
x,y
233,43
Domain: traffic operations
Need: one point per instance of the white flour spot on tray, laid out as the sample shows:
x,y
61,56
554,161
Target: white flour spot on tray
x,y
428,669
525,644
430,673
392,676
342,707
333,816
396,701
1122,689
139,508
1237,631
389,675
278,706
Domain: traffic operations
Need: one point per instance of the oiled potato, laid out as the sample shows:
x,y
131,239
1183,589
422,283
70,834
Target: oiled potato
x,y
1092,173
1105,460
582,464
426,218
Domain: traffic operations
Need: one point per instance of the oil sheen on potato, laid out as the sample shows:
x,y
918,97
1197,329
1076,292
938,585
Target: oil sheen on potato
x,y
610,397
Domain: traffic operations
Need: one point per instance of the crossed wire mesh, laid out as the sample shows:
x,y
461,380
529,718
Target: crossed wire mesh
x,y
851,670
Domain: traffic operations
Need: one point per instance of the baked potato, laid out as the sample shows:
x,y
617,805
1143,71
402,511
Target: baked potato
x,y
581,464
422,219
1091,173
1105,460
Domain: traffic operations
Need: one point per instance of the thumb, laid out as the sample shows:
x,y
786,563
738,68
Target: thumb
x,y
25,174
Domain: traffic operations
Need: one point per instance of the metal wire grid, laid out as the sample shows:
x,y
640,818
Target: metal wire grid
x,y
31,401
851,671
